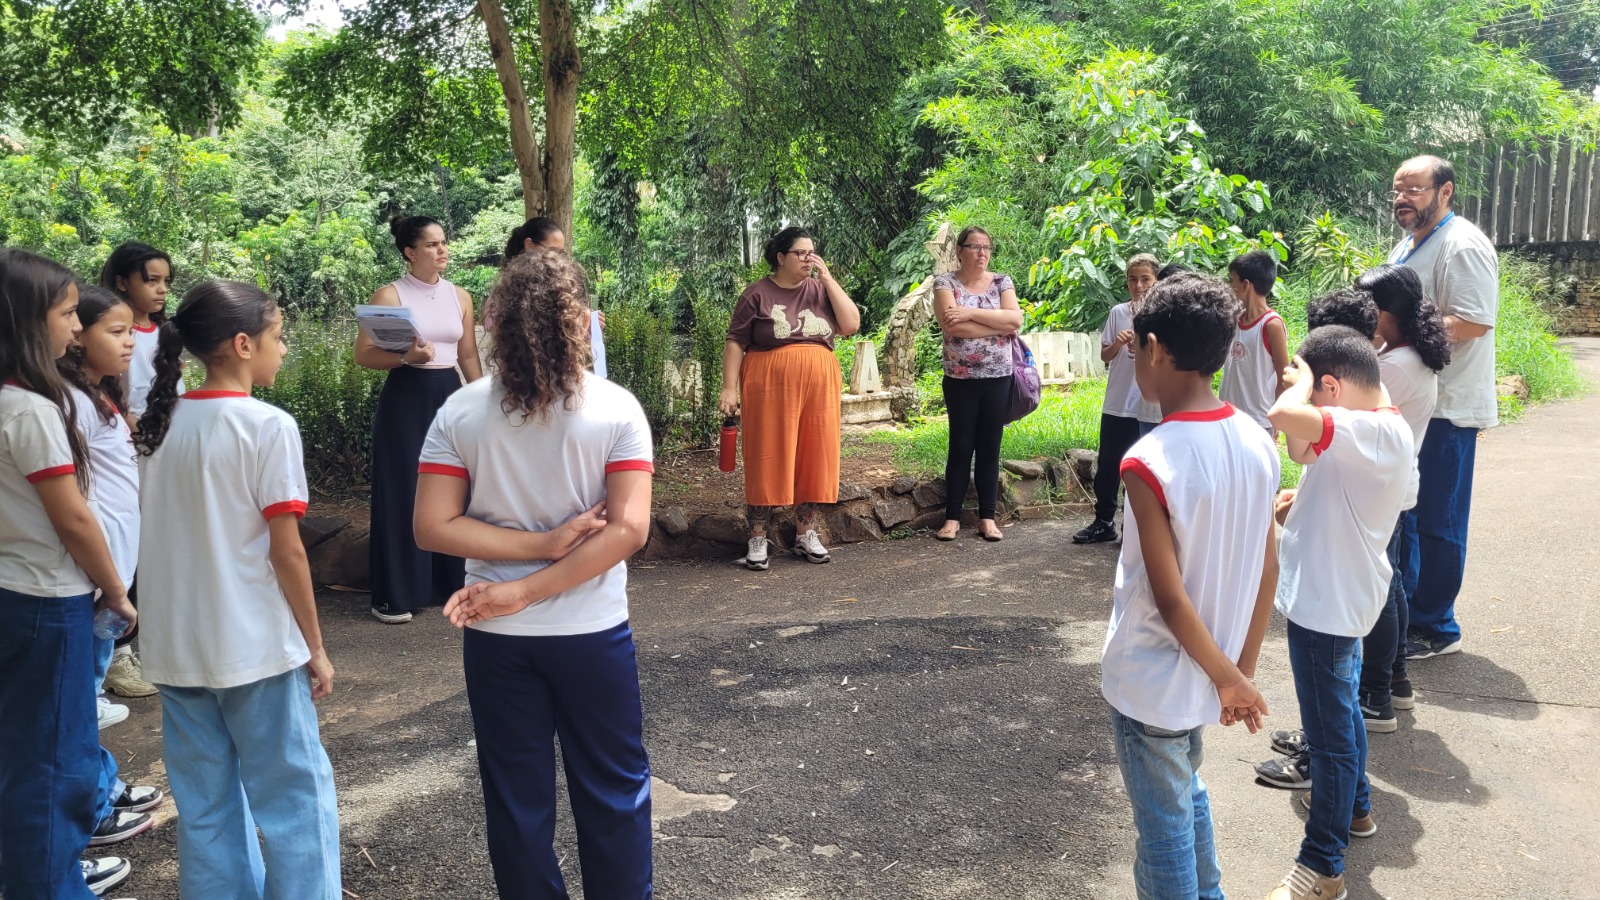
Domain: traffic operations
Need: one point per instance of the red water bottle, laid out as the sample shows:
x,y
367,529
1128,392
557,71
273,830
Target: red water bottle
x,y
728,449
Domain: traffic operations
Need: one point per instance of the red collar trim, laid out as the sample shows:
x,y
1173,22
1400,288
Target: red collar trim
x,y
1209,415
212,395
12,382
1388,409
1270,312
147,330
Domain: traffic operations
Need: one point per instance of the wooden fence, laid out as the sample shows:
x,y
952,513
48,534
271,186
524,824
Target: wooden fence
x,y
1538,195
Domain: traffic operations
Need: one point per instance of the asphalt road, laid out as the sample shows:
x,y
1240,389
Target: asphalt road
x,y
923,720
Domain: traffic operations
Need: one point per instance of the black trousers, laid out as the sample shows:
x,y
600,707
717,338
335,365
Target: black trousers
x,y
405,578
978,408
1117,434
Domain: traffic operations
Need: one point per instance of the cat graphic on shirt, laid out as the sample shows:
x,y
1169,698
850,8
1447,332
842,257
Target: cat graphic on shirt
x,y
811,325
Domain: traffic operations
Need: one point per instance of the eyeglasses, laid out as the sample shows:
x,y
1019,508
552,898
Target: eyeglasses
x,y
806,254
1411,193
979,248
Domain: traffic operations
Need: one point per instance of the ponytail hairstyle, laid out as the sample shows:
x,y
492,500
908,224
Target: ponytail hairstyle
x,y
407,230
93,302
782,242
537,229
30,286
129,260
1398,291
540,333
211,315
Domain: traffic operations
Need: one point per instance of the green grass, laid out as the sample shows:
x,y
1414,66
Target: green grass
x,y
1524,340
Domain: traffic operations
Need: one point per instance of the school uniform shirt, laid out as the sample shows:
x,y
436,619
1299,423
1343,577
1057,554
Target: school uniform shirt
x,y
1333,560
1461,275
1414,390
211,611
533,474
1249,379
33,447
1122,390
142,368
1216,474
113,482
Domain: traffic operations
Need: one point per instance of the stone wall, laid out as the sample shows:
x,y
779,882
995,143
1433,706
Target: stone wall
x,y
1574,268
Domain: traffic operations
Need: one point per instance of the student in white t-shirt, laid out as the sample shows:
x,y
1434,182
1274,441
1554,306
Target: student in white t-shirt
x,y
1194,583
141,275
53,558
1334,577
230,624
1252,376
540,476
1120,413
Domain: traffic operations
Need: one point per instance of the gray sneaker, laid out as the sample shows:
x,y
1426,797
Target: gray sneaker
x,y
756,558
810,546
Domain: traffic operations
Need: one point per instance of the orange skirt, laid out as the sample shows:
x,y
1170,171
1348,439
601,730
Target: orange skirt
x,y
790,404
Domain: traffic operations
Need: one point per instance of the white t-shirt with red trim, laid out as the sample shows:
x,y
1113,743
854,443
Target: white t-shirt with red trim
x,y
1333,561
142,368
33,447
113,482
211,611
534,475
1249,379
1216,473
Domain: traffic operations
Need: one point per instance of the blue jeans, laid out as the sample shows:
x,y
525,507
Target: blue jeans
x,y
49,771
525,691
1383,651
1175,856
1444,503
1327,670
244,758
111,786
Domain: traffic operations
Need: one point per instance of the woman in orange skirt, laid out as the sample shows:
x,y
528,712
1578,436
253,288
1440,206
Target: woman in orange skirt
x,y
778,367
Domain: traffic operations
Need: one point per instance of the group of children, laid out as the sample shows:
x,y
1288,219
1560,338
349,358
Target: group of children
x,y
208,523
1210,546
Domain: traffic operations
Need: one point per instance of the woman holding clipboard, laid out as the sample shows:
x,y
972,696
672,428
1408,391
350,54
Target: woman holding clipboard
x,y
404,578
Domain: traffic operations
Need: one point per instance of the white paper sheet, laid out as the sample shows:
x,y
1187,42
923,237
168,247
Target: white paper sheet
x,y
597,343
392,328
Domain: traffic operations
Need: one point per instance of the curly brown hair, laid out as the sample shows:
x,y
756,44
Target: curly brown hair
x,y
539,342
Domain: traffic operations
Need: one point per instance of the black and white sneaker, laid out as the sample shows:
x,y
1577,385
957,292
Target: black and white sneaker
x,y
1401,696
105,873
810,546
119,826
136,798
1289,772
1428,648
1379,719
1096,532
1288,742
755,558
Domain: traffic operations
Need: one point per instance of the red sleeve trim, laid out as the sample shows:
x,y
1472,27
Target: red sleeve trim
x,y
442,469
1321,446
631,465
1266,346
297,507
52,472
1143,473
1257,320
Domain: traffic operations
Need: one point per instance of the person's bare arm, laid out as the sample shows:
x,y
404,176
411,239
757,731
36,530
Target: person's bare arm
x,y
1266,593
968,322
442,526
846,315
1458,330
628,528
1277,337
732,366
1293,416
467,348
85,540
288,557
371,356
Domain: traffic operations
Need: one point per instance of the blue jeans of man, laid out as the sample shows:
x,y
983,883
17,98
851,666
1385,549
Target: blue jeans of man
x,y
1383,651
49,769
1327,671
243,758
1176,854
525,691
1444,504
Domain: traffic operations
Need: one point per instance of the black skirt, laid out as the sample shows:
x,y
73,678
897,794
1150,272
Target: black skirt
x,y
405,578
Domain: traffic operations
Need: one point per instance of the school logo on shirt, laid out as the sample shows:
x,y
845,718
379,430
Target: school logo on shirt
x,y
1238,350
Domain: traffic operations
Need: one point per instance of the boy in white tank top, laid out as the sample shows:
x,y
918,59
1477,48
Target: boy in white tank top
x,y
1194,582
1253,375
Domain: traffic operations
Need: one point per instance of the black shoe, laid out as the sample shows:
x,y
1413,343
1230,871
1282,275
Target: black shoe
x,y
1288,742
119,826
138,798
1379,719
1429,647
1400,695
105,873
1097,532
1290,772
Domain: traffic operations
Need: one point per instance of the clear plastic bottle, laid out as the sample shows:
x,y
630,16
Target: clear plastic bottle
x,y
108,625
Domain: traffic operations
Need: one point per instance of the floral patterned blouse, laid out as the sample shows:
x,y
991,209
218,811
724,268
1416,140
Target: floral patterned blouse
x,y
983,357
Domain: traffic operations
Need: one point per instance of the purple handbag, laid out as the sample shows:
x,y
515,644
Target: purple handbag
x,y
1024,381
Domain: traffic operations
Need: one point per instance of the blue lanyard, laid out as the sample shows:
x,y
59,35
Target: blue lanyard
x,y
1417,245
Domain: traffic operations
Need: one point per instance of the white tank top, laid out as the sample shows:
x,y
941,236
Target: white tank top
x,y
1249,379
438,311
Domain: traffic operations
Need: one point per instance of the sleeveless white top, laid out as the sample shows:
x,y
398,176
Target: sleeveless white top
x,y
437,308
1249,380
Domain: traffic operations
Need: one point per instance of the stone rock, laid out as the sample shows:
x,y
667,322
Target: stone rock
x,y
1029,492
722,529
316,529
1034,513
674,520
844,528
928,493
1513,386
931,520
851,491
894,510
1083,463
1023,468
904,484
342,559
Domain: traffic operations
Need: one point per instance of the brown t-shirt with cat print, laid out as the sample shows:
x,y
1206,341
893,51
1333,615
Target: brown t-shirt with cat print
x,y
768,316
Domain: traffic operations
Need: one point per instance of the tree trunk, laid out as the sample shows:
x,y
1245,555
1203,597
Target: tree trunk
x,y
558,45
524,143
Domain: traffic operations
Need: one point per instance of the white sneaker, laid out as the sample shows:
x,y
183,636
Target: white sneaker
x,y
111,713
104,873
399,618
810,546
756,558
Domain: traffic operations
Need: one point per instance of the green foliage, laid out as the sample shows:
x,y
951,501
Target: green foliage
x,y
315,272
1065,419
333,401
1331,257
1523,340
638,346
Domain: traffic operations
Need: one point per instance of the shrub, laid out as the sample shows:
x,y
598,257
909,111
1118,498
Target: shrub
x,y
332,399
1524,339
638,346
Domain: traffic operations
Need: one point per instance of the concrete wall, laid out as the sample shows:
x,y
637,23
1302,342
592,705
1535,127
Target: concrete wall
x,y
1574,266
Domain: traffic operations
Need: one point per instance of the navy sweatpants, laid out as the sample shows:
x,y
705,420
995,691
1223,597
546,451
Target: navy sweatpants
x,y
583,688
